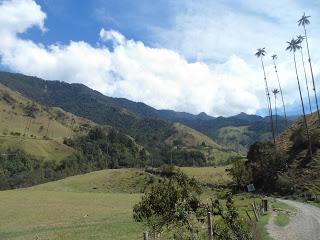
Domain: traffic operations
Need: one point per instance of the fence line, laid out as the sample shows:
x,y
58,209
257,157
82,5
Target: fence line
x,y
258,213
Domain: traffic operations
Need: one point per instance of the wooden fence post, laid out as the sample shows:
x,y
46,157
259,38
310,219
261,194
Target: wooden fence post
x,y
256,208
248,215
145,236
265,205
255,211
210,228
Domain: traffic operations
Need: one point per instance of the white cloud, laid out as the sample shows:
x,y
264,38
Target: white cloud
x,y
113,36
159,77
215,30
19,15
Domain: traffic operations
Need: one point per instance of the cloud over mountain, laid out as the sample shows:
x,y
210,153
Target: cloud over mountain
x,y
159,77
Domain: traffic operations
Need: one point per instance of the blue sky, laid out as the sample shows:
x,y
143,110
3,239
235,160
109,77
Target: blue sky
x,y
191,56
82,20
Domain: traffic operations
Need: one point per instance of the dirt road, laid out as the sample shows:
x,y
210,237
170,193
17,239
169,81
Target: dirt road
x,y
305,225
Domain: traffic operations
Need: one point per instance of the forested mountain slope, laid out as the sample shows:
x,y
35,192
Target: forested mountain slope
x,y
304,169
289,167
236,132
152,133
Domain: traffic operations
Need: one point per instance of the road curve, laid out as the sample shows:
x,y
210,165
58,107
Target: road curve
x,y
305,225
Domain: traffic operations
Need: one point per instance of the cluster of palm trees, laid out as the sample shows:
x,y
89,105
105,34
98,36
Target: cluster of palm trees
x,y
294,45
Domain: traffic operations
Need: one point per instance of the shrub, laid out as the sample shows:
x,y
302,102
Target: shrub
x,y
7,97
30,109
168,203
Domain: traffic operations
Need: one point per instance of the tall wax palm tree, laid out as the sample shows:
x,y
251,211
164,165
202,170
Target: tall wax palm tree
x,y
274,58
303,21
294,45
47,106
48,126
301,38
261,52
275,92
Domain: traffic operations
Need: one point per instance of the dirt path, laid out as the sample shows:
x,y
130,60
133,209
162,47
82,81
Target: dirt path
x,y
305,225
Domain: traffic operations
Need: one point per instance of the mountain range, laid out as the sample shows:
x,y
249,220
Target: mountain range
x,y
234,133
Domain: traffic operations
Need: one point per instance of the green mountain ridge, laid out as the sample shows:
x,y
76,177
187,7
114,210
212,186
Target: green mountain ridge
x,y
126,115
151,133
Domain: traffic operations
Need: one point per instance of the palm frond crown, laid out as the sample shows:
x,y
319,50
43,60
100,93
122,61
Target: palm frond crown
x,y
275,91
304,20
294,45
300,38
274,56
261,52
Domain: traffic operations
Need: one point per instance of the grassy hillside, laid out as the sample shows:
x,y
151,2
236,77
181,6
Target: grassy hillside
x,y
210,175
51,150
236,133
96,205
191,140
36,129
104,181
240,138
39,214
189,137
303,171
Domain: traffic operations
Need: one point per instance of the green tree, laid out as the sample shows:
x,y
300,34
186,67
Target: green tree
x,y
303,21
294,45
97,133
171,202
266,163
261,52
241,173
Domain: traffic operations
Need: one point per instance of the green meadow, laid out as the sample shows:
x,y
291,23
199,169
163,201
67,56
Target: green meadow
x,y
96,205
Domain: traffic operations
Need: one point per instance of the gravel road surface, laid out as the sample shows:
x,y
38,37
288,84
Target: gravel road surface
x,y
305,225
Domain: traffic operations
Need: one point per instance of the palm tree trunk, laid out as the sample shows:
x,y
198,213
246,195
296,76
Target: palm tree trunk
x,y
283,105
306,79
276,112
27,127
302,104
47,130
269,102
312,76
